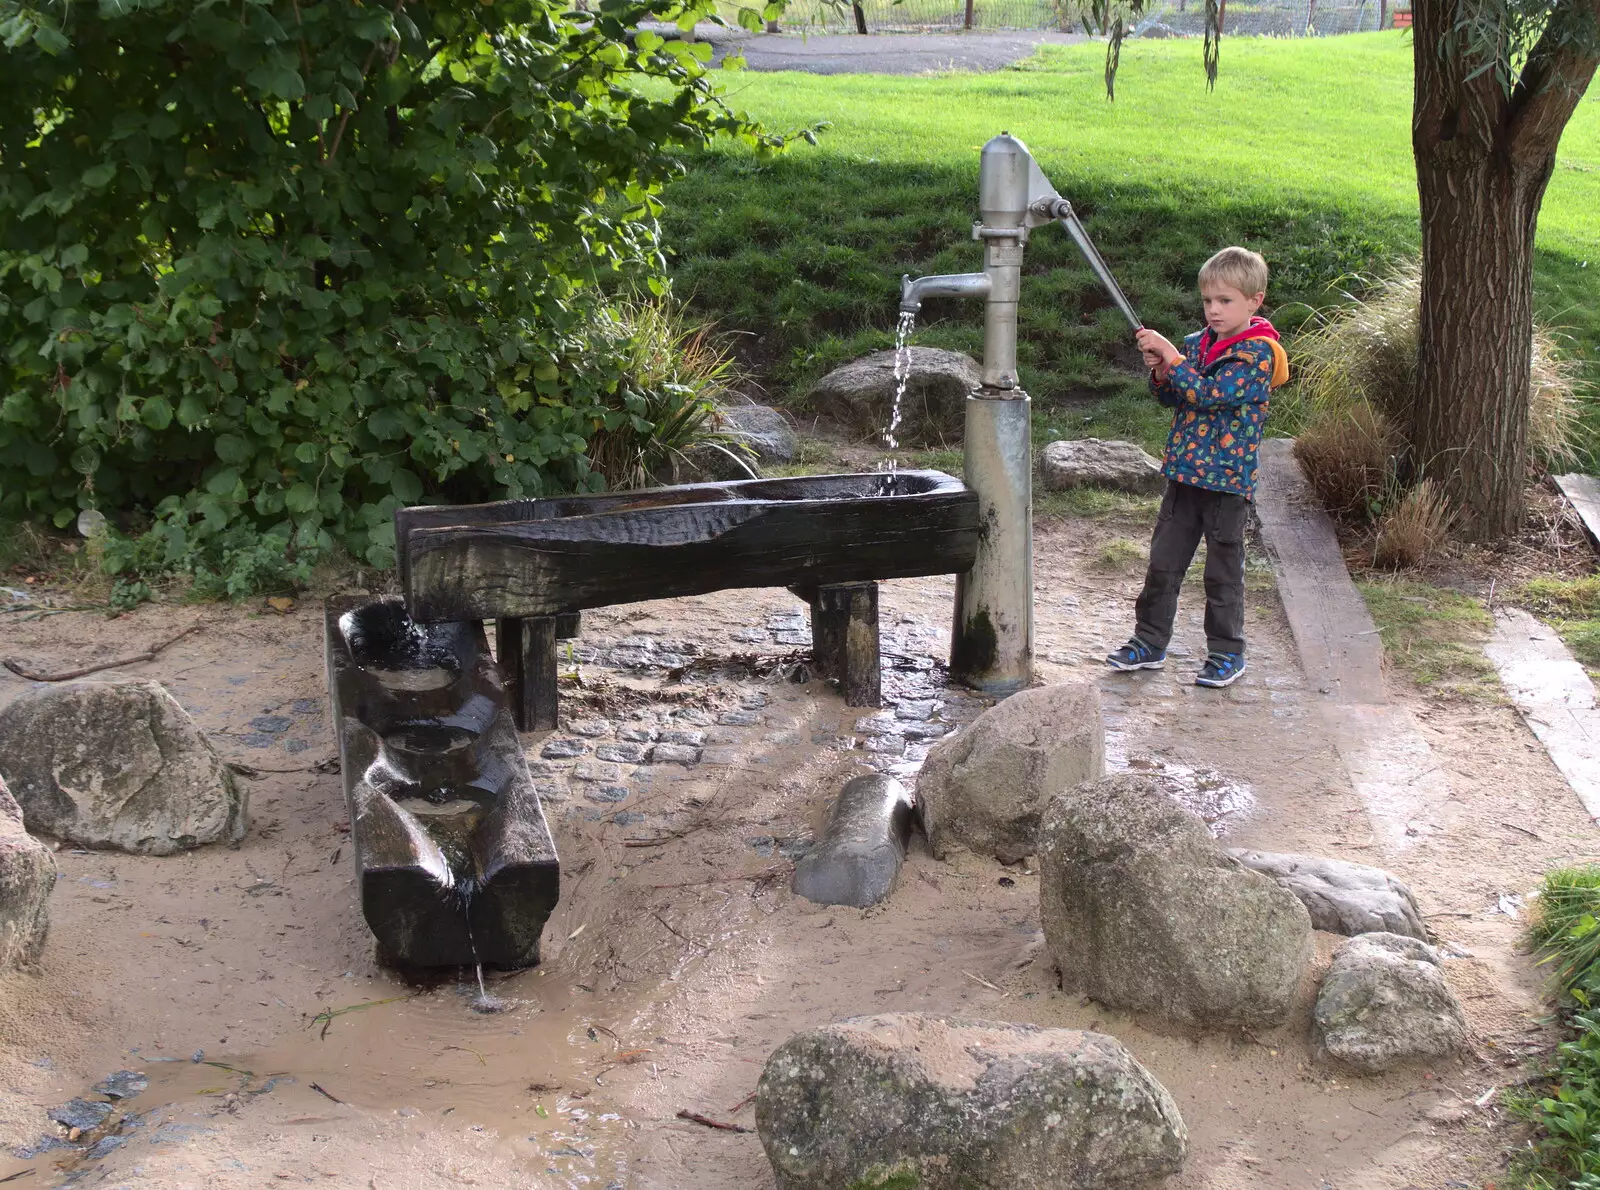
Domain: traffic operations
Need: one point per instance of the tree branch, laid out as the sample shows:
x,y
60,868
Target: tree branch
x,y
1558,71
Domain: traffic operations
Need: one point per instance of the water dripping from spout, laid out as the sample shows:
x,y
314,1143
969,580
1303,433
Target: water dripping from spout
x,y
483,1002
902,373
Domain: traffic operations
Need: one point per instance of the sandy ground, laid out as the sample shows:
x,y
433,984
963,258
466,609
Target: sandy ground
x,y
672,970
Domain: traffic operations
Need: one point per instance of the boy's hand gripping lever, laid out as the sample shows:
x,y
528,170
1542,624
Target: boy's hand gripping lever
x,y
1061,211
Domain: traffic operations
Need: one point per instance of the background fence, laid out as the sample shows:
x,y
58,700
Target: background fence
x,y
1276,18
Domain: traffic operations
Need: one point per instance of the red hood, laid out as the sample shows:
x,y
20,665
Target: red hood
x,y
1211,349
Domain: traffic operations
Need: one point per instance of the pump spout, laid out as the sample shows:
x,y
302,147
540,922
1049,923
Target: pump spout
x,y
913,292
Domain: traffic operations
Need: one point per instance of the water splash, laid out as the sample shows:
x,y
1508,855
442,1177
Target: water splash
x,y
902,373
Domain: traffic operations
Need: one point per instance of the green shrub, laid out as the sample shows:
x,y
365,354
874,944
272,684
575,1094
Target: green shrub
x,y
1357,367
292,264
1565,1109
675,373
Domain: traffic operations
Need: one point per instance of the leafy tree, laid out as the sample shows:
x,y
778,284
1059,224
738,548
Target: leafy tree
x,y
1496,83
295,263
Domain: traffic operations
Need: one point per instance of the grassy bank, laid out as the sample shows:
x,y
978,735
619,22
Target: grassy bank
x,y
1564,1104
1302,151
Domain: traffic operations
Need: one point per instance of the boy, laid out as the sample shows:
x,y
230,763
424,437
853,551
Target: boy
x,y
1219,385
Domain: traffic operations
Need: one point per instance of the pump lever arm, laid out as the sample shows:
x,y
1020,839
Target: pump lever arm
x,y
1061,211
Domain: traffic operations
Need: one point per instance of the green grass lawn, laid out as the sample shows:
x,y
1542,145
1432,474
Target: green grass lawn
x,y
1302,152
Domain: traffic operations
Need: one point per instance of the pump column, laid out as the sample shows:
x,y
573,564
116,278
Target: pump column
x,y
991,647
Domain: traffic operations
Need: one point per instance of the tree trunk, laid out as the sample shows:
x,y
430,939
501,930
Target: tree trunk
x,y
1484,155
1475,331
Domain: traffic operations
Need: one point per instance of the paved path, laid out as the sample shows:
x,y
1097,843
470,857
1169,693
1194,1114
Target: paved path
x,y
879,53
1390,764
1554,696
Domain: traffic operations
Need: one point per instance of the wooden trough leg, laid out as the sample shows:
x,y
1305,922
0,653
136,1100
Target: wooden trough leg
x,y
526,649
844,639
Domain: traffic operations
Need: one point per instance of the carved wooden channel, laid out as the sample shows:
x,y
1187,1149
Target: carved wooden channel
x,y
829,538
453,856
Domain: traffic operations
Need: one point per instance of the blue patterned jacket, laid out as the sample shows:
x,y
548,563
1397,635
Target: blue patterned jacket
x,y
1221,407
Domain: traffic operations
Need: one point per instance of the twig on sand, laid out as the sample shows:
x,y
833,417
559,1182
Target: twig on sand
x,y
1531,834
328,764
21,1173
764,874
676,934
743,1103
979,979
326,1094
695,1117
67,675
325,1017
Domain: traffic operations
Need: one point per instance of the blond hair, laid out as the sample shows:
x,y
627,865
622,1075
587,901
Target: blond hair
x,y
1241,268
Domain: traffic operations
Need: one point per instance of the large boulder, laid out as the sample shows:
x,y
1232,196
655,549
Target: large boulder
x,y
760,429
27,874
117,764
1091,462
1385,1003
986,787
948,1102
1143,910
1342,898
754,434
933,411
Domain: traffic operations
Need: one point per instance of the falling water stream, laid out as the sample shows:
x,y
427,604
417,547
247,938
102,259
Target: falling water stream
x,y
902,373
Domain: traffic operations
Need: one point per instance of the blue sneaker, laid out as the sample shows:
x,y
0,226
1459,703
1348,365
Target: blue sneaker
x,y
1137,655
1221,669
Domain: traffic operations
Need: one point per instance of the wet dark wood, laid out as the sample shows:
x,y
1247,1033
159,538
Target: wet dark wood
x,y
527,651
423,722
844,639
547,557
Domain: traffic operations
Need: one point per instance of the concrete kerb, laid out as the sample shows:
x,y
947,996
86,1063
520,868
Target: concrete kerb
x,y
1554,695
1389,764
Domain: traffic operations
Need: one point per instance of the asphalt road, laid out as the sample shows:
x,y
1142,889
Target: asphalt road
x,y
879,53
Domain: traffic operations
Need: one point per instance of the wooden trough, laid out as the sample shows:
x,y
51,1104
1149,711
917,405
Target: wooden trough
x,y
531,564
453,856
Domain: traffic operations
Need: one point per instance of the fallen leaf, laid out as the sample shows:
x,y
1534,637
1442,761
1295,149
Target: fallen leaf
x,y
281,604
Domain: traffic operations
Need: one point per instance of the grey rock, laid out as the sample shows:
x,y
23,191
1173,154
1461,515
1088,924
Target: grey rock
x,y
1342,898
862,846
959,1103
637,735
739,718
27,874
1143,910
694,716
80,1113
693,739
124,1084
606,793
1093,462
674,754
759,429
880,724
1385,1003
596,770
590,728
861,394
627,753
120,765
916,712
886,745
563,749
985,788
927,731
